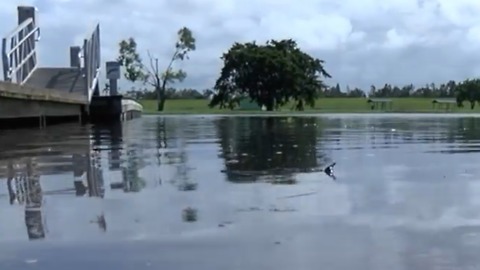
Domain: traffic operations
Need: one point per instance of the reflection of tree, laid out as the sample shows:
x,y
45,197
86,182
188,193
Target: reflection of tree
x,y
465,133
161,137
132,182
182,177
429,130
278,146
189,214
176,156
383,132
115,153
466,129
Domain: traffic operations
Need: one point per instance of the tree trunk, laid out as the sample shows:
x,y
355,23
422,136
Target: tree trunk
x,y
161,99
161,95
161,103
300,106
269,105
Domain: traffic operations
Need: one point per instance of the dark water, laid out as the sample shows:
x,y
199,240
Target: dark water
x,y
243,193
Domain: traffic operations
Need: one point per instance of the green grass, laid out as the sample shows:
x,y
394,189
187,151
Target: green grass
x,y
324,105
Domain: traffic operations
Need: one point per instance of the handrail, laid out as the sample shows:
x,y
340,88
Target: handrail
x,y
15,31
19,52
5,59
91,60
33,31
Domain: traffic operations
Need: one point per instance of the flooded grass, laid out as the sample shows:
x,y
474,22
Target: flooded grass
x,y
322,105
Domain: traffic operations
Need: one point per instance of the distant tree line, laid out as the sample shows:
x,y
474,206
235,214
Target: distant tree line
x,y
170,93
464,91
445,90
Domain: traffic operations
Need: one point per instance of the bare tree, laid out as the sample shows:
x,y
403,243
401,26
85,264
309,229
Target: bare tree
x,y
135,70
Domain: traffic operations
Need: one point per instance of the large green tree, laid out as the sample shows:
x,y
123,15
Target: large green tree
x,y
270,75
136,70
468,90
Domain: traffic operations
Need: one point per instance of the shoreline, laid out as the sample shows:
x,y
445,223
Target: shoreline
x,y
323,106
294,114
418,106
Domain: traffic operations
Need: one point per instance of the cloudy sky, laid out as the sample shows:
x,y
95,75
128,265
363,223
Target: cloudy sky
x,y
363,42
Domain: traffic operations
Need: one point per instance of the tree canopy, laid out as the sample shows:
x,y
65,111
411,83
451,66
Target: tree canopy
x,y
468,90
270,74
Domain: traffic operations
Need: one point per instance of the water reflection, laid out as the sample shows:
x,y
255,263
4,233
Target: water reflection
x,y
189,214
406,187
24,189
272,148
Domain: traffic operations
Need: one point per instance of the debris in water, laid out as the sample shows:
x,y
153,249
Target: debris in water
x,y
187,186
223,224
282,210
329,170
250,209
299,195
189,214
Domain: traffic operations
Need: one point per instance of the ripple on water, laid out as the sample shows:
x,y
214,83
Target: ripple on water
x,y
247,179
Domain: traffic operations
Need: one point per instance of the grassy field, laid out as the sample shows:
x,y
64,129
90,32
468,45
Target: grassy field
x,y
324,105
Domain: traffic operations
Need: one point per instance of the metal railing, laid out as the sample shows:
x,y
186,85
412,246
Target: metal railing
x,y
91,61
19,56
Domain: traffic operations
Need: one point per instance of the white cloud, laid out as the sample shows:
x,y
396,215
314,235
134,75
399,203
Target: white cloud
x,y
363,42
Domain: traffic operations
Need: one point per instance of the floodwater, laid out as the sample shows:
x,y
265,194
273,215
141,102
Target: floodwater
x,y
243,193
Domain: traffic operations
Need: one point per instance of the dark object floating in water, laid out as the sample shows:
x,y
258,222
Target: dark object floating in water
x,y
189,214
299,195
329,170
187,186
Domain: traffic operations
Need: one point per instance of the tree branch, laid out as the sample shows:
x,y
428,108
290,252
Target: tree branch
x,y
154,72
169,67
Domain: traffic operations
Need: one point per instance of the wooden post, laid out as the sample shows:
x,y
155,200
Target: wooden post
x,y
42,121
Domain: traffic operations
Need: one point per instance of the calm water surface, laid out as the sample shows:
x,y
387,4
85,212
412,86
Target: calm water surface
x,y
243,193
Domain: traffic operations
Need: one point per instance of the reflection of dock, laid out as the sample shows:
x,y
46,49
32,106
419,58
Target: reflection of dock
x,y
24,188
131,180
46,165
25,168
88,176
59,158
